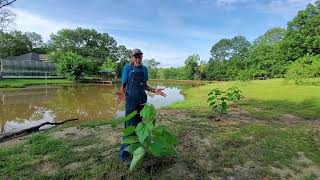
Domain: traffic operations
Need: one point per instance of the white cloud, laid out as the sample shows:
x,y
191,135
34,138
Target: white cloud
x,y
28,21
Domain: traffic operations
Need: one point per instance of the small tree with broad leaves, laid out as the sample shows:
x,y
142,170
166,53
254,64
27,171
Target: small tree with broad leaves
x,y
147,137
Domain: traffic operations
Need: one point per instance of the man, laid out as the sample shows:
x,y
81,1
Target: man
x,y
133,86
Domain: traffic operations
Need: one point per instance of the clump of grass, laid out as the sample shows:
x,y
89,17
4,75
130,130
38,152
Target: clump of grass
x,y
95,123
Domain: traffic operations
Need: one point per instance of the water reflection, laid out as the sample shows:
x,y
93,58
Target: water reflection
x,y
28,107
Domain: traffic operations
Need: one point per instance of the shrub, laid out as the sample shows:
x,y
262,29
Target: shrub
x,y
219,101
305,67
73,66
147,137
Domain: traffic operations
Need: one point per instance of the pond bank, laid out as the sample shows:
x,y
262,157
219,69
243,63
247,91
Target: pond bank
x,y
21,83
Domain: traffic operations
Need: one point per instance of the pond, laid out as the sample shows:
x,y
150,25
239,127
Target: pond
x,y
31,106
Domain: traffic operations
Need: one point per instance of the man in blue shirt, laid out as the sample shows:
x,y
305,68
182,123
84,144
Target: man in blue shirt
x,y
133,90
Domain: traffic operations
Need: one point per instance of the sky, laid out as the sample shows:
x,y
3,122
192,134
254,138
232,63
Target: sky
x,y
167,30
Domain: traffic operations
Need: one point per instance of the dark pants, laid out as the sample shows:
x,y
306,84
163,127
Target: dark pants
x,y
131,105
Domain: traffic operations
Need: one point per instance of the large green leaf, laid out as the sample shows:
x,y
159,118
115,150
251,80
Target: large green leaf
x,y
138,155
156,148
132,147
142,131
128,131
148,113
124,119
130,140
160,147
150,125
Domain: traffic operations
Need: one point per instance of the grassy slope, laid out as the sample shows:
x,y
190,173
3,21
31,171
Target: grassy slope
x,y
17,83
267,99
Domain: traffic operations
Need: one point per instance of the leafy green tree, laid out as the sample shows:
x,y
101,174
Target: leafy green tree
x,y
36,40
13,44
303,35
191,66
271,37
225,49
265,58
172,73
86,42
152,66
305,67
123,56
73,66
108,64
228,57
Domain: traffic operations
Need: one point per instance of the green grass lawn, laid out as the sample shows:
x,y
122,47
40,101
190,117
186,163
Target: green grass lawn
x,y
267,99
18,83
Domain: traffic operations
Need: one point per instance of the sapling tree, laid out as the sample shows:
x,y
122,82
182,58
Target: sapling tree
x,y
219,101
147,137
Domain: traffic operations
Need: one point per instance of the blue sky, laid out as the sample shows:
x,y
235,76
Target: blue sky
x,y
167,30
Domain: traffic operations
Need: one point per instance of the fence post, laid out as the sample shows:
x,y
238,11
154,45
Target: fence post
x,y
1,68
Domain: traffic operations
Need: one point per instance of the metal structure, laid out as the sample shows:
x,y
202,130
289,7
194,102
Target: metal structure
x,y
27,65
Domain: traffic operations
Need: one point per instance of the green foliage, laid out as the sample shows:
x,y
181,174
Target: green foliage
x,y
303,35
138,156
16,43
108,64
123,57
191,66
172,73
88,43
219,101
234,94
73,66
149,138
305,67
152,66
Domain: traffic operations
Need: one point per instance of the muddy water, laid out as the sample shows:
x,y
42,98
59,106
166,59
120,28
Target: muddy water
x,y
27,107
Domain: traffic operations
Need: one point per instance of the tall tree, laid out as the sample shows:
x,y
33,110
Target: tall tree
x,y
228,48
191,66
271,37
85,42
303,35
228,57
265,57
13,44
123,56
152,66
36,40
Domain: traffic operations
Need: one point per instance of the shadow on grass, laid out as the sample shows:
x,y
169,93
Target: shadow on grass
x,y
308,109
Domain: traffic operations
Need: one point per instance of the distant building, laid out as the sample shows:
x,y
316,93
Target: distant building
x,y
30,64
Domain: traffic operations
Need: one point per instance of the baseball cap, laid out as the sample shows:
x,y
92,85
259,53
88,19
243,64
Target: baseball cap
x,y
136,51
